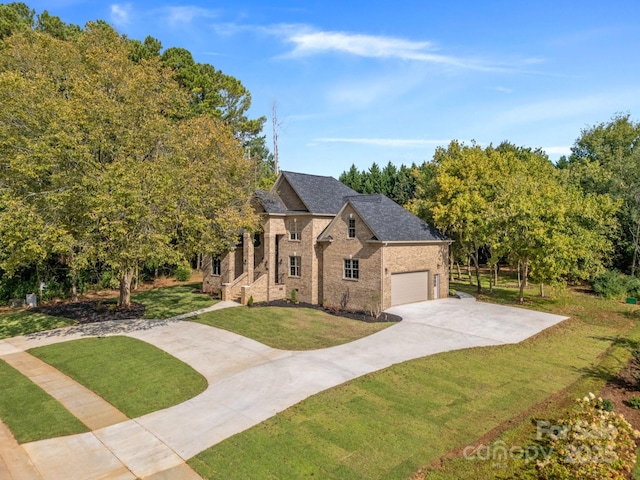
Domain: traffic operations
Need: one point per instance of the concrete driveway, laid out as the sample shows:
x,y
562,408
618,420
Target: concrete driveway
x,y
250,382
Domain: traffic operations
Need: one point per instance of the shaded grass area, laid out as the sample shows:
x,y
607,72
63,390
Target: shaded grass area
x,y
168,302
290,328
134,376
390,423
13,324
30,413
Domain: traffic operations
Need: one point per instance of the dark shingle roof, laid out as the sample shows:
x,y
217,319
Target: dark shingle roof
x,y
319,194
270,201
390,222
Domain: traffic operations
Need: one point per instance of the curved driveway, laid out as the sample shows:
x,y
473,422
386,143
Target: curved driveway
x,y
250,382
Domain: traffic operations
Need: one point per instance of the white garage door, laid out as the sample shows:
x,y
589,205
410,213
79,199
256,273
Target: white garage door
x,y
409,287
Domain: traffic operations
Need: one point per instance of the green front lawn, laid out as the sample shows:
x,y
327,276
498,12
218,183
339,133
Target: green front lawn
x,y
290,328
134,376
13,324
390,423
168,302
30,413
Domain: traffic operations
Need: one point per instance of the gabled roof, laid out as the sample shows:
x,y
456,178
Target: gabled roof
x,y
389,222
270,201
320,195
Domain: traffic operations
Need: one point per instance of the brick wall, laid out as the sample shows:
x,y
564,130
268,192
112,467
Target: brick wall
x,y
365,292
414,257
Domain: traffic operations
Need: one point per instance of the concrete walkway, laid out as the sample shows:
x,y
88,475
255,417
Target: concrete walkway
x,y
250,382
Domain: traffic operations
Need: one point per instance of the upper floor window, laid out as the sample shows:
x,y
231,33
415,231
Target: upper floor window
x,y
351,268
294,266
294,233
352,228
216,267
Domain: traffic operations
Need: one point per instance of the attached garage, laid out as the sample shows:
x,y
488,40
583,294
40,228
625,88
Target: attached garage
x,y
409,287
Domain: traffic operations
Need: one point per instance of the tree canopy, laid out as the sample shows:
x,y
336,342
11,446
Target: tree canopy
x,y
105,161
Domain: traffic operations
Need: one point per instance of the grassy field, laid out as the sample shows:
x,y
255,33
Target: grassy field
x,y
29,412
134,376
290,328
391,423
13,324
168,302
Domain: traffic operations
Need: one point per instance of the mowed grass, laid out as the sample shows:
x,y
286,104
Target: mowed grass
x,y
13,324
134,376
290,328
30,413
168,302
388,424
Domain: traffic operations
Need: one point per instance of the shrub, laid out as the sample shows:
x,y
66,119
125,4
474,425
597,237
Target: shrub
x,y
604,404
250,301
183,272
592,443
610,284
634,402
294,296
633,287
109,281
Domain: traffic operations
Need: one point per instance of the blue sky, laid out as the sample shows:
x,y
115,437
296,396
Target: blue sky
x,y
362,81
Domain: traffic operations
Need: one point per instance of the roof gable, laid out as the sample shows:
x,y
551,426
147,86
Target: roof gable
x,y
320,195
388,221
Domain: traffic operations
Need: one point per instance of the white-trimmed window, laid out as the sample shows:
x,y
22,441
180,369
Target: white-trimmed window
x,y
216,267
294,266
294,232
351,268
351,230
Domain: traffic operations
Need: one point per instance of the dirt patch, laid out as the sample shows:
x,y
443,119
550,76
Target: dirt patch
x,y
92,311
360,316
621,388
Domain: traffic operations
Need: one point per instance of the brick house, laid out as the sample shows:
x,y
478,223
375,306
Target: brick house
x,y
334,247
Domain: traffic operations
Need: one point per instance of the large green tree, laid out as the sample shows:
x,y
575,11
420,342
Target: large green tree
x,y
102,155
605,159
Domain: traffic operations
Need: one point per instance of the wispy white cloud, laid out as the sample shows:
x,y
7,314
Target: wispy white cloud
x,y
121,13
308,41
558,150
184,15
385,142
504,89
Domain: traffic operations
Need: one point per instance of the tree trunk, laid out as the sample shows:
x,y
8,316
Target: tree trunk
x,y
542,289
125,288
519,279
74,286
477,269
459,272
136,278
450,267
469,270
525,273
495,278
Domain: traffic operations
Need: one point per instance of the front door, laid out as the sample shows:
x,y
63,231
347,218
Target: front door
x,y
436,286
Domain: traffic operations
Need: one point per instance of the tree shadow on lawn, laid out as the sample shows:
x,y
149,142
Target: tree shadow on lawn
x,y
100,329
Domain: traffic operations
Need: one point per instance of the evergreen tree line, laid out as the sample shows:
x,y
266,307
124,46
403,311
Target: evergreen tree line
x,y
555,222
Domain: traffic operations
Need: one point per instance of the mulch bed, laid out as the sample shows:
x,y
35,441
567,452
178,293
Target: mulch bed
x,y
360,316
621,388
92,311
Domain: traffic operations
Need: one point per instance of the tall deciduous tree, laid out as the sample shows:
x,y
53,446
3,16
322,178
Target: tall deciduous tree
x,y
104,158
606,160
